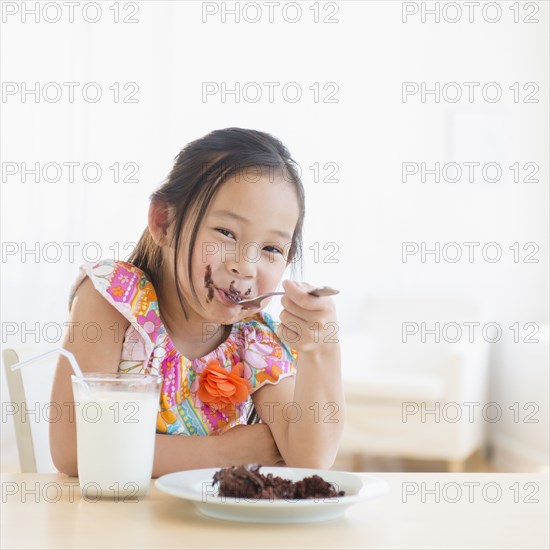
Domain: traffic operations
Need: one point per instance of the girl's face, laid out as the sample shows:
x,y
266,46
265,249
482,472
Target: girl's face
x,y
242,245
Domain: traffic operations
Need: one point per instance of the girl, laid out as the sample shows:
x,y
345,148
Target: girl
x,y
226,223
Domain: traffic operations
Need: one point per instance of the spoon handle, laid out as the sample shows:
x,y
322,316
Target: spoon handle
x,y
324,291
249,303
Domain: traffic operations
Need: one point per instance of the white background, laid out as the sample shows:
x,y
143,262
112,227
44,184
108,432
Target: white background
x,y
369,132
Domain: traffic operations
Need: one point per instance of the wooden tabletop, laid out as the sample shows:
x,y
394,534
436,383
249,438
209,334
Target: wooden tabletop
x,y
422,510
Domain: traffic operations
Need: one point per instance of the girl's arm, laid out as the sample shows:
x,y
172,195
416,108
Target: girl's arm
x,y
252,444
306,413
239,445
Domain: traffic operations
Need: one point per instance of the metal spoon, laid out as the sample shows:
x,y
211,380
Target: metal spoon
x,y
249,303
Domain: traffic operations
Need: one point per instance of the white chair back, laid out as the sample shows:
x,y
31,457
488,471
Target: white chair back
x,y
28,410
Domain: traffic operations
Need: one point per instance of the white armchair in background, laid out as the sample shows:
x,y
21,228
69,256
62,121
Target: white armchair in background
x,y
409,396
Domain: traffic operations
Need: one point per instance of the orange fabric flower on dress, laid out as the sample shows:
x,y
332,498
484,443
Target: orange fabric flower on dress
x,y
222,390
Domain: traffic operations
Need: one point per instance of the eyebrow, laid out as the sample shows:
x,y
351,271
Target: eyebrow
x,y
233,215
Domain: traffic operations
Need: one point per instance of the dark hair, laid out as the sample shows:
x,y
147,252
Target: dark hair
x,y
200,168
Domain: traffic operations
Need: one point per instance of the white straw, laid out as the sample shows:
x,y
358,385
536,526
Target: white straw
x,y
59,351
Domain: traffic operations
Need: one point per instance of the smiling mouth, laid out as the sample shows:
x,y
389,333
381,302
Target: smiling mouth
x,y
226,298
235,295
232,294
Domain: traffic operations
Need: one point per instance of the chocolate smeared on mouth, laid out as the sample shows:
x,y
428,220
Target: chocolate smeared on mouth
x,y
232,293
246,294
235,295
209,283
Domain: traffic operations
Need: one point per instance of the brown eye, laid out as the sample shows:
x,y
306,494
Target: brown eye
x,y
225,232
273,249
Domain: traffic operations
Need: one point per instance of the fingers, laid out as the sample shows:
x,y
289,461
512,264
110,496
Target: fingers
x,y
305,318
299,306
298,293
291,307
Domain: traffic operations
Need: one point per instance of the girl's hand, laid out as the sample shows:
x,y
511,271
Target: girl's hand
x,y
308,323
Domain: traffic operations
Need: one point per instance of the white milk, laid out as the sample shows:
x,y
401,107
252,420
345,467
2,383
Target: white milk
x,y
115,442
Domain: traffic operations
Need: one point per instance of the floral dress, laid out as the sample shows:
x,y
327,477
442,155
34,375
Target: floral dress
x,y
202,396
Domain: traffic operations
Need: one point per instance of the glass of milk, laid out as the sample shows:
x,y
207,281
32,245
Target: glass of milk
x,y
116,415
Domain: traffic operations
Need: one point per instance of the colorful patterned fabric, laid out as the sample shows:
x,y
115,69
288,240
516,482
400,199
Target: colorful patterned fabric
x,y
251,357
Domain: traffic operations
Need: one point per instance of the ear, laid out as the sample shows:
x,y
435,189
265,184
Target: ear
x,y
159,222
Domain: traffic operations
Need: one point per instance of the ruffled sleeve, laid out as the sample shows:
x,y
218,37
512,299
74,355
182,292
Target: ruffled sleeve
x,y
265,358
129,291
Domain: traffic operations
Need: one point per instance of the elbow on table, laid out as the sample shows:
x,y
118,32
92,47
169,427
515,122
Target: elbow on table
x,y
65,465
64,457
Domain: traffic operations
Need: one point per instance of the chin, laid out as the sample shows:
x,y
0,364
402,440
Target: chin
x,y
228,319
224,317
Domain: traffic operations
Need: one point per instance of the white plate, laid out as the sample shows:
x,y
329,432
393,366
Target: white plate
x,y
196,486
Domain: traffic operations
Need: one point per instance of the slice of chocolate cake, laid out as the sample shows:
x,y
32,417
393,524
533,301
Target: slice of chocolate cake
x,y
247,482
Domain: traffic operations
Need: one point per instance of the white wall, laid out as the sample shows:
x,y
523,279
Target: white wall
x,y
367,214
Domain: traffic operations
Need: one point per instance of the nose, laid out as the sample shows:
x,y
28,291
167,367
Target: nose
x,y
241,267
243,271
